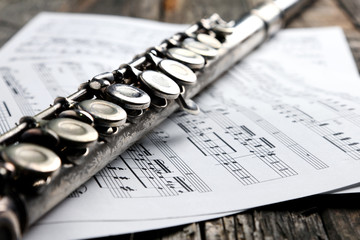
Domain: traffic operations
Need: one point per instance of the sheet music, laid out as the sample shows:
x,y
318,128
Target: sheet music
x,y
267,132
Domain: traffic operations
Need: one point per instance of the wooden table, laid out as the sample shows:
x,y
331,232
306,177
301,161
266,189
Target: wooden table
x,y
316,217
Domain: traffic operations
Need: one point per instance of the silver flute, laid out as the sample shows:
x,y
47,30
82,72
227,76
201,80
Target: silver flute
x,y
48,156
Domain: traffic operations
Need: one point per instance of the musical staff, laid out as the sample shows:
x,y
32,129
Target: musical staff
x,y
232,145
21,97
16,101
342,109
74,40
246,137
57,46
211,145
159,140
78,192
284,139
59,77
158,174
327,129
4,116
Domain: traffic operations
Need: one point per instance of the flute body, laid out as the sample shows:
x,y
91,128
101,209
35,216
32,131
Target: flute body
x,y
47,156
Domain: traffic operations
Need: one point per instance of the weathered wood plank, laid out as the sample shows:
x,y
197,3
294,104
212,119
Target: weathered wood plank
x,y
189,232
214,230
135,8
6,31
245,227
353,8
187,11
18,13
230,227
342,223
323,13
341,216
353,38
288,225
14,14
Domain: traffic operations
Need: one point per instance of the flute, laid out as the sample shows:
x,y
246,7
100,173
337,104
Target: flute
x,y
47,156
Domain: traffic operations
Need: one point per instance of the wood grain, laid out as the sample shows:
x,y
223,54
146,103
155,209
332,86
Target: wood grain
x,y
352,7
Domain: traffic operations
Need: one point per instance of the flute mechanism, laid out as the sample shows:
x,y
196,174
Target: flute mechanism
x,y
47,156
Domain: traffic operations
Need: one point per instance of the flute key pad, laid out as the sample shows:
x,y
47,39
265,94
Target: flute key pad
x,y
199,48
40,136
187,57
129,97
160,85
105,114
72,132
178,72
77,114
208,40
32,159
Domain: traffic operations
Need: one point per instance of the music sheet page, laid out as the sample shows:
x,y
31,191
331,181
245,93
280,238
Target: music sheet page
x,y
282,124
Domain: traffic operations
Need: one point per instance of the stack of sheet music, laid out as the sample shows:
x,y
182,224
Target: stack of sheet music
x,y
282,124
